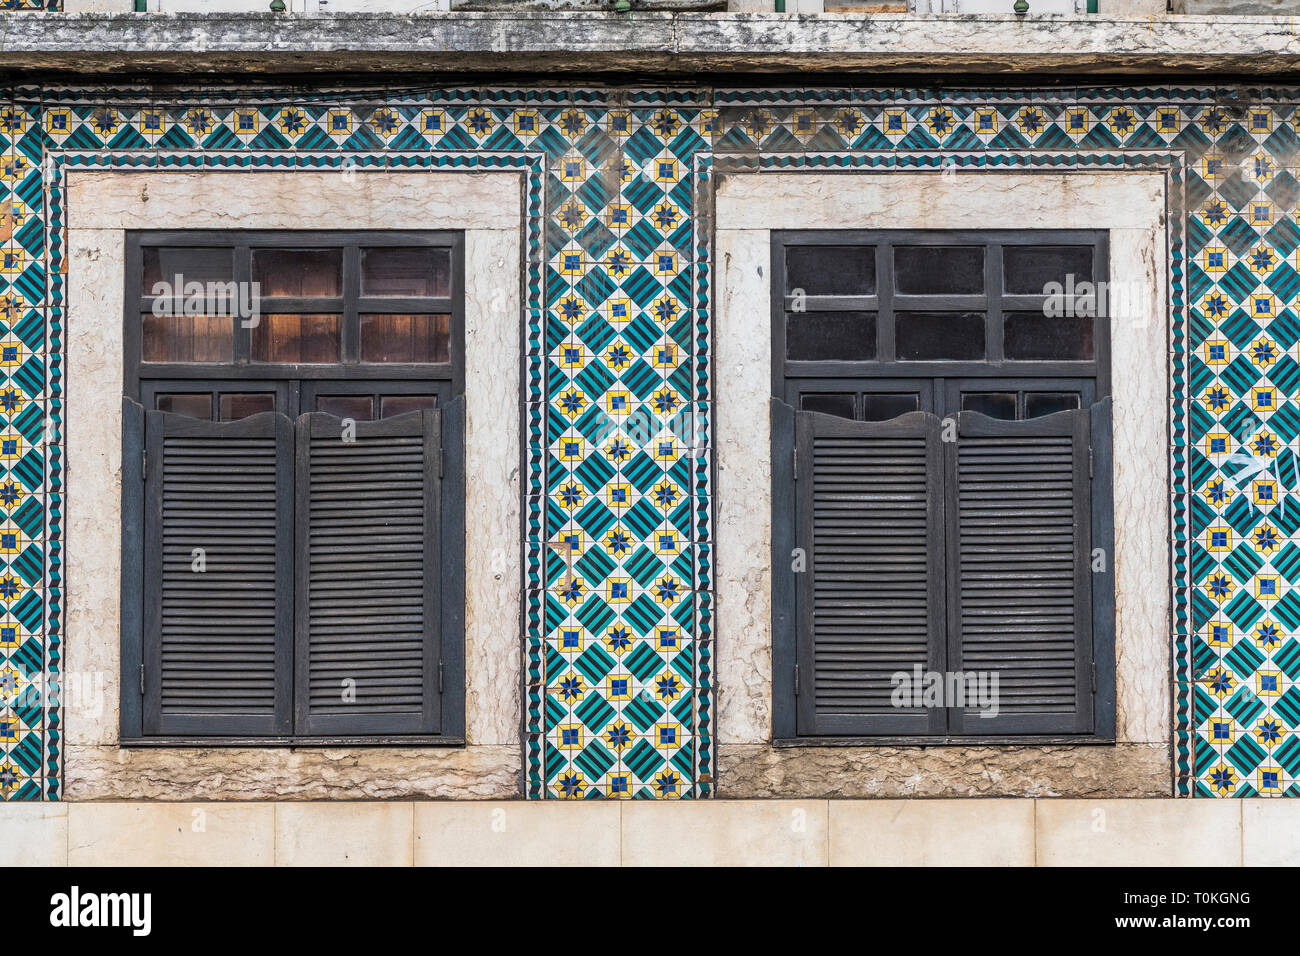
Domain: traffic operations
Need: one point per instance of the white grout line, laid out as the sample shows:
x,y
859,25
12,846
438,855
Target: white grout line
x,y
828,833
1241,832
1034,803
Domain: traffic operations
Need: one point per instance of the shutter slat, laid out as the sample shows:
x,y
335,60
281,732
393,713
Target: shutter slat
x,y
367,527
1018,555
870,603
217,649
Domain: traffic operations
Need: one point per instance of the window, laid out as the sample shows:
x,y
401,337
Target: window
x,y
293,488
942,486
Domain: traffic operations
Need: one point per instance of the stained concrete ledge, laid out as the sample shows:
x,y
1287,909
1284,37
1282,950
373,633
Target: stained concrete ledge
x,y
684,44
1012,832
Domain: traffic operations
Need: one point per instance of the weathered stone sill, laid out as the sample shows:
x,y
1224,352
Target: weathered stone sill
x,y
748,771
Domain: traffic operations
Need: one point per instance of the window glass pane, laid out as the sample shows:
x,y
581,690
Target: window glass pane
x,y
410,271
191,265
830,270
296,338
993,404
1049,403
1030,268
817,336
235,405
299,272
193,404
924,336
1034,336
841,405
391,405
882,406
187,338
357,407
406,338
939,270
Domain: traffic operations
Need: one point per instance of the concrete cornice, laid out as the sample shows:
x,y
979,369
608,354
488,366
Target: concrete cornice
x,y
670,43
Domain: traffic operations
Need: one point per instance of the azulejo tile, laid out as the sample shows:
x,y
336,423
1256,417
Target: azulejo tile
x,y
618,667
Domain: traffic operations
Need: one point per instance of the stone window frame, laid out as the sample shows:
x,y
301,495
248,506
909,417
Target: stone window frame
x,y
1132,208
102,206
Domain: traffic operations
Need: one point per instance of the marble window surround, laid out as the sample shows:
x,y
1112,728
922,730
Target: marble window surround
x,y
1132,208
101,206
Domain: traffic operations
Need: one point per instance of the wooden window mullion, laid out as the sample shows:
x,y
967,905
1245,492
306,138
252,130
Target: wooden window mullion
x,y
351,331
243,280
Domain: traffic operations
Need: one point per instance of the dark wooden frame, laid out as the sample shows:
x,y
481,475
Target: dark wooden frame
x,y
160,424
350,305
885,302
939,384
307,392
283,391
291,383
1082,719
912,424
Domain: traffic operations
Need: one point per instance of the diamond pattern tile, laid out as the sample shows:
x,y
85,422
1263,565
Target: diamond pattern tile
x,y
619,651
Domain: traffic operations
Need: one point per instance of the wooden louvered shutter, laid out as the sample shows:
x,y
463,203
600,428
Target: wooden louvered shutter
x,y
368,609
218,576
871,602
1021,599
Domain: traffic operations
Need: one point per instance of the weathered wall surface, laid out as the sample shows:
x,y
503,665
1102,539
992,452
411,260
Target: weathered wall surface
x,y
986,833
617,266
1237,8
1133,39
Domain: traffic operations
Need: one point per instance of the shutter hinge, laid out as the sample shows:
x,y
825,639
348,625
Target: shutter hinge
x,y
1089,461
144,465
796,680
141,680
1094,677
796,464
439,677
440,469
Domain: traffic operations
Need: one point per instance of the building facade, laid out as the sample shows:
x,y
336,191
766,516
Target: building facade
x,y
598,437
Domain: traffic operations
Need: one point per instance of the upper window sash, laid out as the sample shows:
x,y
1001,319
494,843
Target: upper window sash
x,y
331,304
938,302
